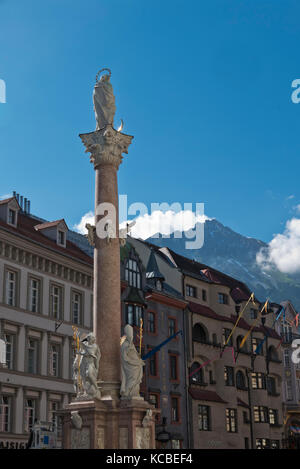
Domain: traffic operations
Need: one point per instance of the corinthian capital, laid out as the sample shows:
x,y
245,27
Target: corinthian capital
x,y
106,146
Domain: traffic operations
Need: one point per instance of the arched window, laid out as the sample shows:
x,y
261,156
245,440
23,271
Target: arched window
x,y
240,380
196,378
238,344
272,353
132,274
200,334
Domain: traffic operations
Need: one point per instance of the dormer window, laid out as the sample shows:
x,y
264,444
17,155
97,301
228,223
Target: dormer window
x,y
9,209
158,285
55,230
12,217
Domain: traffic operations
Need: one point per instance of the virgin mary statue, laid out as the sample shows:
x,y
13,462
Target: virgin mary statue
x,y
104,100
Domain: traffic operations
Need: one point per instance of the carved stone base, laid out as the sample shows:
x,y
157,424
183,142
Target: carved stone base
x,y
110,424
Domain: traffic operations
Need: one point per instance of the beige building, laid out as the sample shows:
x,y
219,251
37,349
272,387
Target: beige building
x,y
45,289
234,398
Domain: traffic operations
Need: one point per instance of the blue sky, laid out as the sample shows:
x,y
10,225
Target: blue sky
x,y
204,87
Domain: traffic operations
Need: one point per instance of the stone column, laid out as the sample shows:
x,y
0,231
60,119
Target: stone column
x,y
106,147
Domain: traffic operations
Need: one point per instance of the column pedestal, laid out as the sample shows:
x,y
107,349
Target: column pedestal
x,y
110,424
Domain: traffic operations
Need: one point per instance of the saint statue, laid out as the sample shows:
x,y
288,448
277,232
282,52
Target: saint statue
x,y
87,368
104,100
131,367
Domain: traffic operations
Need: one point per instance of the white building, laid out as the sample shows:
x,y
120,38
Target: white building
x,y
45,289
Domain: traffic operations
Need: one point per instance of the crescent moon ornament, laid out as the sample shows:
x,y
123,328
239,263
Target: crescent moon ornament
x,y
103,70
121,126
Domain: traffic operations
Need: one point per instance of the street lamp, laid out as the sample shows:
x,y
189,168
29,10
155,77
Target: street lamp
x,y
164,436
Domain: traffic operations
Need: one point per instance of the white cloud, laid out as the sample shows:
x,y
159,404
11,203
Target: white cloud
x,y
5,196
297,208
157,222
87,218
283,251
290,197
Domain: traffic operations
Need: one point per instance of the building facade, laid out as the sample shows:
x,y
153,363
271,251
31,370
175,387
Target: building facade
x,y
234,393
288,328
45,289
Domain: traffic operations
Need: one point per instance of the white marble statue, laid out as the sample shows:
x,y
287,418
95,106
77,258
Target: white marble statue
x,y
104,100
131,367
87,367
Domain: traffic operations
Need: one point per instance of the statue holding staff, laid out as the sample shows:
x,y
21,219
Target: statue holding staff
x,y
131,366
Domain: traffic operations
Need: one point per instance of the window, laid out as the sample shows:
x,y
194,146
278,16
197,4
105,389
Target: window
x,y
258,381
12,218
225,335
196,376
203,418
175,444
34,295
240,380
275,444
132,274
76,308
30,414
171,326
56,302
271,385
253,313
53,417
153,365
173,367
54,368
200,334
223,298
204,295
273,417
289,390
11,288
260,414
158,285
262,443
231,420
32,356
272,354
191,291
134,314
255,344
287,362
151,323
10,348
5,413
61,238
229,375
175,418
286,331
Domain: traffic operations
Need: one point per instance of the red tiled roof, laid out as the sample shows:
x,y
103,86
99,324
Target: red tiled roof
x,y
26,228
204,395
48,224
203,310
241,403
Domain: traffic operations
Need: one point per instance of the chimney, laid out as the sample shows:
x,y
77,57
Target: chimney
x,y
21,202
25,205
14,194
28,207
